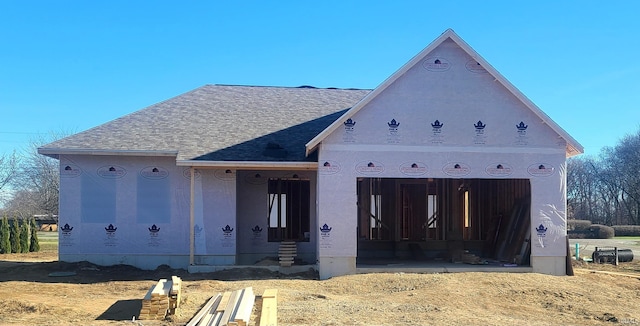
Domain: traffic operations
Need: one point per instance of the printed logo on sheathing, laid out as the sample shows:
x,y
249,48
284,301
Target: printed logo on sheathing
x,y
480,138
328,167
111,240
325,229
394,134
349,125
456,169
436,132
187,174
197,230
154,239
154,173
393,125
475,67
227,229
522,127
66,229
540,169
66,238
111,229
255,179
369,167
437,64
111,172
437,126
154,229
70,171
349,131
413,168
256,229
541,230
499,170
521,138
225,174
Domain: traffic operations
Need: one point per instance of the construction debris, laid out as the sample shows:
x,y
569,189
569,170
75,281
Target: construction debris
x,y
234,309
161,300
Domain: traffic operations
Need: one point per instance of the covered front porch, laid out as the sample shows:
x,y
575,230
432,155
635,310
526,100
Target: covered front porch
x,y
242,215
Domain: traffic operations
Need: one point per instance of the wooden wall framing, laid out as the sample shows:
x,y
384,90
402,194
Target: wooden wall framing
x,y
491,216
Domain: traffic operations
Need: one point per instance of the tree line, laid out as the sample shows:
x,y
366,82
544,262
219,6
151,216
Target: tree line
x,y
29,182
605,189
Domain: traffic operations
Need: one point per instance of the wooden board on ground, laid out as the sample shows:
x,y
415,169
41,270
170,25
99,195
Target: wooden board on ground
x,y
269,313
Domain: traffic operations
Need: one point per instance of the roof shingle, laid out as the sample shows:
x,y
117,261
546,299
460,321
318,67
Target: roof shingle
x,y
222,123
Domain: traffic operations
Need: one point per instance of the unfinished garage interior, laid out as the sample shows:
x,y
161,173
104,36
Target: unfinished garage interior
x,y
454,220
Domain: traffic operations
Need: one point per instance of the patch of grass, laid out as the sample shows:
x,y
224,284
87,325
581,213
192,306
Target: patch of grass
x,y
47,236
48,241
627,238
48,246
19,307
636,239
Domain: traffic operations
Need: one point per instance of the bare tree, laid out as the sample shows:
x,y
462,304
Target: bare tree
x,y
626,164
606,189
8,171
37,184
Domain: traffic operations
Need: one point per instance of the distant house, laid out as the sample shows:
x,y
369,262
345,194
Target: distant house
x,y
445,160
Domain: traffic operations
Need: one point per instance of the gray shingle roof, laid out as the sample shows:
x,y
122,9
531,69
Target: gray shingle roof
x,y
221,123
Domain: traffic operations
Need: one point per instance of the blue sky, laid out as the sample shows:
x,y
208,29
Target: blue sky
x,y
66,66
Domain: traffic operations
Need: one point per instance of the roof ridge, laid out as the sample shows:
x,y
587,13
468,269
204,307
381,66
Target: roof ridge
x,y
292,87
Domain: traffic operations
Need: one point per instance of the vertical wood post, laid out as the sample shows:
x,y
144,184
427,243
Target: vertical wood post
x,y
192,217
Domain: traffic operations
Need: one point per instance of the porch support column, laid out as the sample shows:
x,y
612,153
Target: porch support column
x,y
192,217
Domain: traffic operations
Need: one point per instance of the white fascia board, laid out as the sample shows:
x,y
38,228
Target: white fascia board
x,y
245,165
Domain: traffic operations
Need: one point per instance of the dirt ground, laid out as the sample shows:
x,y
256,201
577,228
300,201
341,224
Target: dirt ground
x,y
99,295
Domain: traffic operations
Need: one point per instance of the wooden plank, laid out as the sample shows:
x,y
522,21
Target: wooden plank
x,y
159,289
175,294
245,306
177,284
231,306
166,288
207,318
148,295
223,303
211,304
270,293
269,313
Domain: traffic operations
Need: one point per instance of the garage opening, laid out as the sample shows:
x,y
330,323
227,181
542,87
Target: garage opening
x,y
444,219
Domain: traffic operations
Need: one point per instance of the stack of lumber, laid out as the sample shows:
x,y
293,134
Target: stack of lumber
x,y
174,294
230,308
269,314
161,300
287,252
156,303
